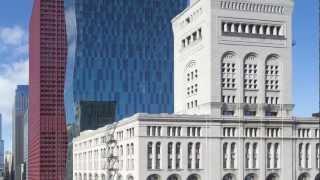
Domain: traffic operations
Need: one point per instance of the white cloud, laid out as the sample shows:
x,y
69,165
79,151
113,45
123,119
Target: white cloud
x,y
13,71
12,35
10,76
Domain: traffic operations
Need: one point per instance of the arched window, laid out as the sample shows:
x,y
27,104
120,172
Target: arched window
x,y
197,158
272,79
191,84
96,177
178,155
276,155
158,155
85,176
174,177
229,177
170,155
228,82
153,177
318,155
247,155
228,70
90,176
120,177
255,155
149,155
250,76
269,155
130,177
304,176
273,177
194,177
225,155
308,155
233,156
317,177
103,177
190,145
300,155
251,177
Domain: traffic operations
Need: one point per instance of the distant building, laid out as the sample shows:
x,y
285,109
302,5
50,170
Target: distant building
x,y
18,137
8,166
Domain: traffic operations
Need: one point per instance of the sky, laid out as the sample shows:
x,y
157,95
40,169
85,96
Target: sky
x,y
14,21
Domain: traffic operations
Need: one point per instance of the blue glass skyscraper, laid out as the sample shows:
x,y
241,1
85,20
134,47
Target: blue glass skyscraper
x,y
121,51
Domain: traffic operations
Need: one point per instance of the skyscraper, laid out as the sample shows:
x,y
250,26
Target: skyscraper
x,y
47,127
120,51
20,107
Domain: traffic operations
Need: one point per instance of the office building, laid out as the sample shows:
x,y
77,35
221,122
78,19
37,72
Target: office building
x,y
120,51
233,106
47,126
20,107
8,166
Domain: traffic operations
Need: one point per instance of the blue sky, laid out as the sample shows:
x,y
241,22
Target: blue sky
x,y
14,21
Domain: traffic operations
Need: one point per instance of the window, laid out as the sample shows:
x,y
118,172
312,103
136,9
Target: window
x,y
192,38
273,156
178,156
229,132
170,155
304,133
149,155
190,145
250,73
273,132
318,155
193,131
229,155
173,131
251,132
197,156
158,155
153,130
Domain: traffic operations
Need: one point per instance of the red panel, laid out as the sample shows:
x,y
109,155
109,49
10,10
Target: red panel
x,y
47,126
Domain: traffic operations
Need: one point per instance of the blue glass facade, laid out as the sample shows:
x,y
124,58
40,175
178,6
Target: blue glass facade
x,y
122,51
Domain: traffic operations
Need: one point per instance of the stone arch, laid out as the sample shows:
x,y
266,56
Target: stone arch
x,y
272,59
229,176
130,177
154,177
304,176
191,64
228,55
273,176
250,57
119,177
251,176
194,177
174,177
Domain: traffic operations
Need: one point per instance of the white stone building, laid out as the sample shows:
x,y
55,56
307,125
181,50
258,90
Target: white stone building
x,y
233,105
